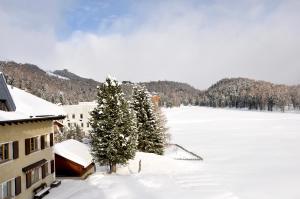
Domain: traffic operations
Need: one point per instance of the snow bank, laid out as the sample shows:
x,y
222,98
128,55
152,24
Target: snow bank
x,y
155,164
74,151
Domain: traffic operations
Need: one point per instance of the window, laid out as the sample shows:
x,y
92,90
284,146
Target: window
x,y
81,116
81,124
69,125
45,170
33,144
44,141
9,151
4,152
35,175
87,125
7,189
3,106
73,116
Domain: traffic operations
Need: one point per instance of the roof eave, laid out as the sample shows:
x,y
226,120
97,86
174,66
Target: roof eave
x,y
28,120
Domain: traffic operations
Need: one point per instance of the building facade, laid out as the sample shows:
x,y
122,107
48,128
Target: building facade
x,y
79,115
26,157
26,142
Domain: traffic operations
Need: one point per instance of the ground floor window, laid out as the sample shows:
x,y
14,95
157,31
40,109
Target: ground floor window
x,y
35,175
45,170
38,173
7,189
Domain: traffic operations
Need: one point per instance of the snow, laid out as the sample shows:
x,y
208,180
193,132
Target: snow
x,y
55,75
74,151
253,154
28,106
247,155
175,152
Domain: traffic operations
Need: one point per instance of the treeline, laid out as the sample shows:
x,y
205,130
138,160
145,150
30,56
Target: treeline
x,y
69,88
174,93
251,94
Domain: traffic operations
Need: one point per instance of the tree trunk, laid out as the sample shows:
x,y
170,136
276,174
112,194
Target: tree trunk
x,y
113,168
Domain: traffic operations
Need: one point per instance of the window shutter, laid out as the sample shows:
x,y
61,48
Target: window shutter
x,y
15,149
44,171
27,146
28,179
42,142
17,185
51,139
52,166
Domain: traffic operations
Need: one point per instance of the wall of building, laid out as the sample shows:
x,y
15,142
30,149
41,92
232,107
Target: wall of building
x,y
68,168
13,168
83,108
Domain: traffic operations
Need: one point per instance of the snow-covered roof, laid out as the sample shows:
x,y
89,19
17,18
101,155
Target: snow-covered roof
x,y
29,106
74,151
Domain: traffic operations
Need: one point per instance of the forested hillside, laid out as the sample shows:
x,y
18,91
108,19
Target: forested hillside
x,y
251,94
173,93
64,87
49,86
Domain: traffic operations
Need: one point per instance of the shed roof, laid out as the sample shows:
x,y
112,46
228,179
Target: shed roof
x,y
75,151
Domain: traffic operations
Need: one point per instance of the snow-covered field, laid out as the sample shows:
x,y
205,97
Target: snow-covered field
x,y
253,154
247,155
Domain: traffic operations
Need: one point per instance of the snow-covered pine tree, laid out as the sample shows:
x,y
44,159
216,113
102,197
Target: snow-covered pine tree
x,y
151,136
74,132
114,133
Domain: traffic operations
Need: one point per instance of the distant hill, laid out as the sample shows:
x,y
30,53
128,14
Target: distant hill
x,y
63,86
251,94
173,93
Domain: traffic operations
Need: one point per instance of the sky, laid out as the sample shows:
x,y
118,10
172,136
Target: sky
x,y
194,41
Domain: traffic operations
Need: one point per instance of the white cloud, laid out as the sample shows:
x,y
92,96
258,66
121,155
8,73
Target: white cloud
x,y
198,44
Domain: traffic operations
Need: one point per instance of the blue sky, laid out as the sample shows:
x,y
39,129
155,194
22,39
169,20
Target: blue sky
x,y
193,41
88,15
98,15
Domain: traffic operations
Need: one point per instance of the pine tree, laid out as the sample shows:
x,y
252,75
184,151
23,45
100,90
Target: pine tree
x,y
74,132
151,137
113,134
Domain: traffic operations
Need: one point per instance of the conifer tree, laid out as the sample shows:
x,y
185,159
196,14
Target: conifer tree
x,y
74,132
113,134
151,136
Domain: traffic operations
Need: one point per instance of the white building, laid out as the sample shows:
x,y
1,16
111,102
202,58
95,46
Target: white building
x,y
79,114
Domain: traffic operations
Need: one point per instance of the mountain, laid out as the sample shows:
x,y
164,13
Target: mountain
x,y
57,87
63,86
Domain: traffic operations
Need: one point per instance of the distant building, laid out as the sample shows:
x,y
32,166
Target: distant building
x,y
73,159
26,141
78,114
155,100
